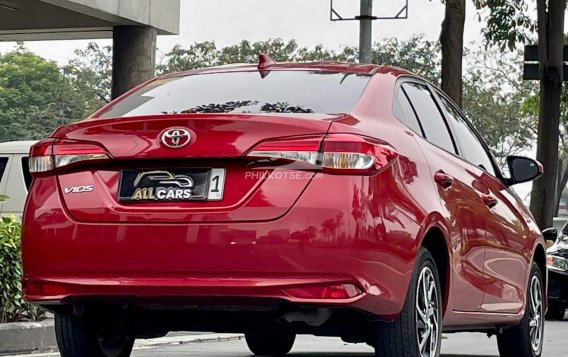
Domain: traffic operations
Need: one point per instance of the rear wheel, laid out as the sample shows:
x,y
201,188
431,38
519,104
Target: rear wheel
x,y
270,341
417,332
556,312
526,339
80,337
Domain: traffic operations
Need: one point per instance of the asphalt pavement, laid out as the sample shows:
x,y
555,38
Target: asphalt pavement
x,y
453,345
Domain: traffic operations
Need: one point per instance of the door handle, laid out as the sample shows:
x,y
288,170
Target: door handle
x,y
443,179
489,201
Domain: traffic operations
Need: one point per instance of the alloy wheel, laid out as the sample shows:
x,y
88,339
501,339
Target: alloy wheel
x,y
536,314
427,313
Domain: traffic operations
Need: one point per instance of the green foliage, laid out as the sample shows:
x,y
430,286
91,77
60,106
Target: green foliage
x,y
35,97
416,54
12,305
494,98
90,76
508,22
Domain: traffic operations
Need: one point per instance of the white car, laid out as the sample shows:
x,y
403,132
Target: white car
x,y
15,176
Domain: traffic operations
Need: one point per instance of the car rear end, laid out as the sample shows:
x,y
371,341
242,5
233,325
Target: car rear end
x,y
215,195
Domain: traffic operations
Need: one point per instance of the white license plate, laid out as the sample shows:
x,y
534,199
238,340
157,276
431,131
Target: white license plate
x,y
216,184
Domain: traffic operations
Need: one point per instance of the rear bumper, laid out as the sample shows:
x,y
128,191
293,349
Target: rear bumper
x,y
320,240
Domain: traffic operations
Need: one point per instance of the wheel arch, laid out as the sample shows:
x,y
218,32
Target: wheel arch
x,y
435,241
539,257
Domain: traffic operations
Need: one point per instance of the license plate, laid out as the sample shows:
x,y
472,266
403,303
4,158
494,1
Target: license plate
x,y
171,185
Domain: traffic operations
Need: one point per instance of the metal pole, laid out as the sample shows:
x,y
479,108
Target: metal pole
x,y
365,31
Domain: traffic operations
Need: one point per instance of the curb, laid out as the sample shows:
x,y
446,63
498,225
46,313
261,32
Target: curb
x,y
27,336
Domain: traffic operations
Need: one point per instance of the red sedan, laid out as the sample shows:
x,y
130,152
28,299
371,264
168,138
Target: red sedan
x,y
280,199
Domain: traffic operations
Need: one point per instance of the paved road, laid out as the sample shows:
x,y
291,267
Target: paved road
x,y
456,345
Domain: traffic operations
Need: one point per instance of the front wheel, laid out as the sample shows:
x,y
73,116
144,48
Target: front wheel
x,y
526,339
81,337
417,332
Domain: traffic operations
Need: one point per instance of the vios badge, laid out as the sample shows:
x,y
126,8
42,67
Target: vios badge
x,y
175,138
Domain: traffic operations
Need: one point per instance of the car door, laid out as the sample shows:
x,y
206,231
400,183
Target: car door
x,y
459,191
507,255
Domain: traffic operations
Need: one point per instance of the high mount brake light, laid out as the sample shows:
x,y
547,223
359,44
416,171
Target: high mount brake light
x,y
339,153
51,154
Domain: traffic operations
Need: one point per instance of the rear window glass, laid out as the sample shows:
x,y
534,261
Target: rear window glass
x,y
245,92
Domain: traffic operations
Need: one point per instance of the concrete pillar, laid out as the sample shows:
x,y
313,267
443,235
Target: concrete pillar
x,y
134,57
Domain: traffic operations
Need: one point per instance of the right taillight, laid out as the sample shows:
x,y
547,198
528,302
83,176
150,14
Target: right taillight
x,y
50,154
338,153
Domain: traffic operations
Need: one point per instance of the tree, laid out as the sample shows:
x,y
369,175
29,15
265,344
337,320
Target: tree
x,y
551,41
508,25
35,97
416,54
494,99
532,105
451,39
90,74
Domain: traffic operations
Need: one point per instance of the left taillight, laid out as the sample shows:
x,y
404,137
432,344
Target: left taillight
x,y
51,154
337,153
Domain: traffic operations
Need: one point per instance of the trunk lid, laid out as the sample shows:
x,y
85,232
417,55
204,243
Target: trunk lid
x,y
218,143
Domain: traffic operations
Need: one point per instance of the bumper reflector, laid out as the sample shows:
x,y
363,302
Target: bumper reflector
x,y
328,292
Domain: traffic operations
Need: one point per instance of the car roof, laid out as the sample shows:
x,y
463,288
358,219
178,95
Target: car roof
x,y
324,66
16,147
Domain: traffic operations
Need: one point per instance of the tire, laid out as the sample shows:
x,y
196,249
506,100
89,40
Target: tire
x,y
79,337
401,337
556,312
270,341
527,338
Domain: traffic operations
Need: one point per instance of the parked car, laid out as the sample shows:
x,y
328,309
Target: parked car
x,y
280,199
557,262
15,178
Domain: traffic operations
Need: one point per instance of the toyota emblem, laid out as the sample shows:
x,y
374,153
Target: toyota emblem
x,y
175,138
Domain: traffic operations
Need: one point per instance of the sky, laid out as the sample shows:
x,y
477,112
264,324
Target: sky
x,y
228,21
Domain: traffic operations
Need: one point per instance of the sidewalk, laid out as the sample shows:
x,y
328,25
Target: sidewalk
x,y
19,338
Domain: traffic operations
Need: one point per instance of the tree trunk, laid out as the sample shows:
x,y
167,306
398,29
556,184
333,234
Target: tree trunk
x,y
550,41
451,39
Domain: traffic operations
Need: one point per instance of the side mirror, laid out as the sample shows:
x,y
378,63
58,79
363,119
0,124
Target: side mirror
x,y
550,236
523,169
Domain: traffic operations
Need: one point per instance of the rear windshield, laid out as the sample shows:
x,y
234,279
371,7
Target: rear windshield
x,y
245,92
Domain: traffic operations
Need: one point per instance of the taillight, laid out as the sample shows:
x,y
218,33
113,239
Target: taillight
x,y
301,149
338,153
51,154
